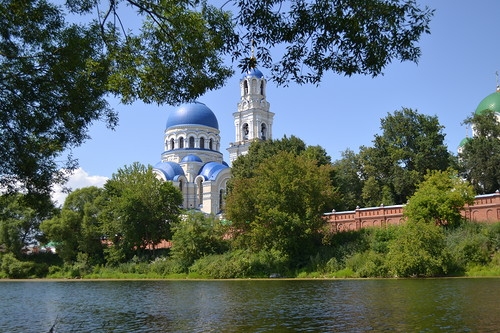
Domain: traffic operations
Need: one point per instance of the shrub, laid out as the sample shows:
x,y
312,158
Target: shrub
x,y
367,264
164,266
468,245
345,273
417,250
17,269
241,264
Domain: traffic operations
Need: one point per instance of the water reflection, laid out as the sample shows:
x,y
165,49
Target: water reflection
x,y
434,305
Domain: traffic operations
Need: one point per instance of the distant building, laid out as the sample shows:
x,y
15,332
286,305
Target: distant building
x,y
490,102
192,160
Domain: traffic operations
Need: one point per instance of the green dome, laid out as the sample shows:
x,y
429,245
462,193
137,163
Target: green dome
x,y
490,102
463,142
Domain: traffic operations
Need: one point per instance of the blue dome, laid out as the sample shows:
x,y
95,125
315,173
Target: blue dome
x,y
211,170
193,114
254,72
191,158
170,170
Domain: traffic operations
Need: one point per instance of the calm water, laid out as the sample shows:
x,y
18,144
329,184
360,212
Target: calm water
x,y
435,305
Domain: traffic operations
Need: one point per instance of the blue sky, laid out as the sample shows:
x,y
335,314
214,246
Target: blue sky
x,y
455,72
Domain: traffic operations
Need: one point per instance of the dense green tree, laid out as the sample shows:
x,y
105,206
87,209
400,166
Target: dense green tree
x,y
77,228
245,165
439,199
348,181
409,146
480,156
54,76
280,207
19,222
138,209
195,236
417,250
48,95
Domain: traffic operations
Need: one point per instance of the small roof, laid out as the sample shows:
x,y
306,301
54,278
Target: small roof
x,y
170,170
211,170
253,72
191,158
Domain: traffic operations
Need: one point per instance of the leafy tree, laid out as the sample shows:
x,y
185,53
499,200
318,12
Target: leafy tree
x,y
48,94
439,199
480,157
245,165
138,209
77,228
411,144
417,250
346,37
259,151
19,222
195,236
280,207
55,76
348,181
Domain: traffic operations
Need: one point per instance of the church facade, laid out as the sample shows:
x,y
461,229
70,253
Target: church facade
x,y
192,159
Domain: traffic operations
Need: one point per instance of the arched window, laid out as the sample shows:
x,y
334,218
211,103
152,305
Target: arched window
x,y
245,87
263,131
202,143
172,144
191,142
210,144
181,183
181,142
262,87
245,131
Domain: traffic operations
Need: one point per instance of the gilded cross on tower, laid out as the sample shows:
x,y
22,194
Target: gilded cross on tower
x,y
252,63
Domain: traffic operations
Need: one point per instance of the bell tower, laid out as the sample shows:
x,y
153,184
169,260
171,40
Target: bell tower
x,y
253,120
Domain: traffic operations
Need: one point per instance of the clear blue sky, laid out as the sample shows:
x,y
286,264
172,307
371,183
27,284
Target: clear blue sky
x,y
455,72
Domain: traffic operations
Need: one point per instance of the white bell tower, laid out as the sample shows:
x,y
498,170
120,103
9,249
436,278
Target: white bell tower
x,y
253,120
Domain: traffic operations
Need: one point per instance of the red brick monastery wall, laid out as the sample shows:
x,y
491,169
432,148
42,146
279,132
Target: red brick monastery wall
x,y
486,208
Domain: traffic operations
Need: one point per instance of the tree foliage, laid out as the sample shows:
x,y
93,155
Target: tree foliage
x,y
245,165
77,228
48,94
345,37
439,199
348,181
417,250
139,208
19,222
480,156
280,206
409,146
195,236
54,76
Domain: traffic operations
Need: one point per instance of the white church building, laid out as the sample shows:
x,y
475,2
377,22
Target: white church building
x,y
192,160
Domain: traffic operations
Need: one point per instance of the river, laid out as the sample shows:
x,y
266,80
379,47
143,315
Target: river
x,y
385,305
